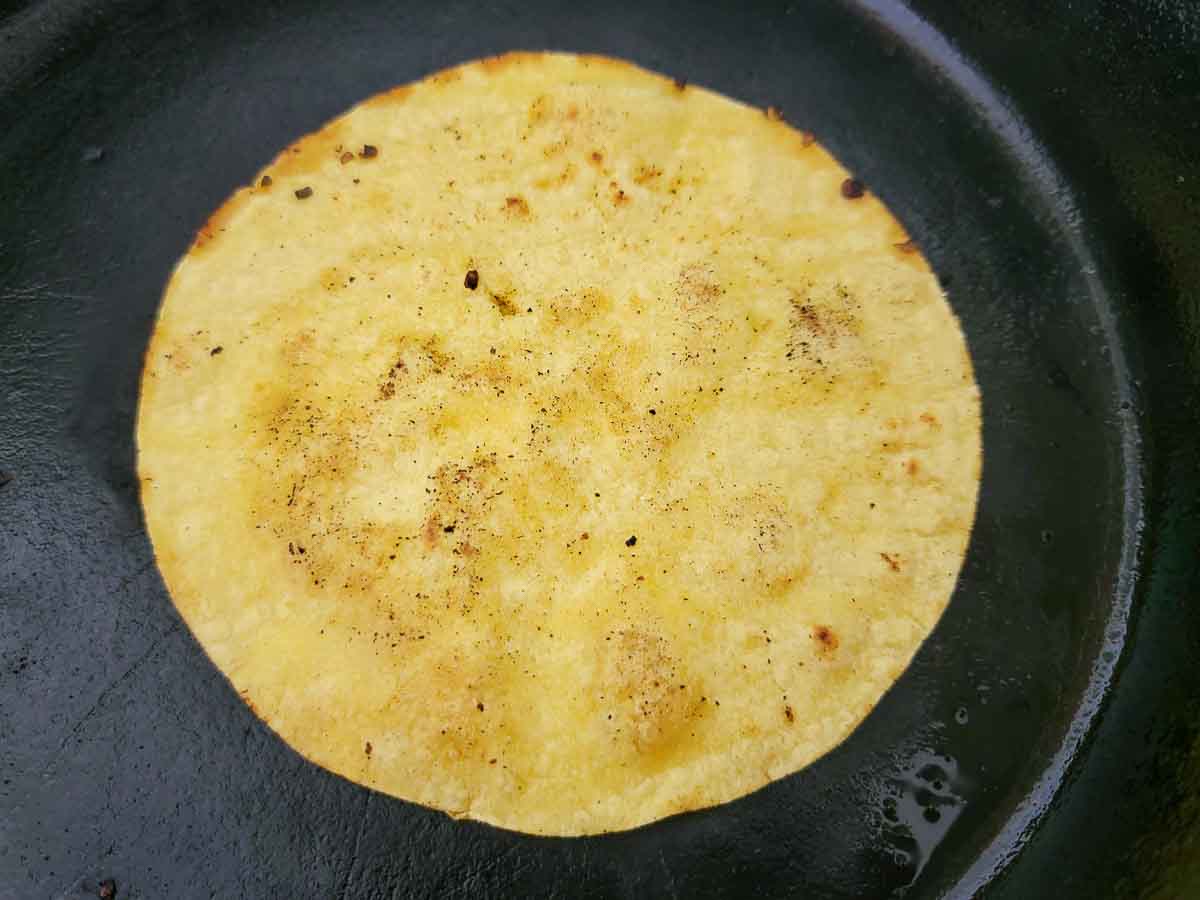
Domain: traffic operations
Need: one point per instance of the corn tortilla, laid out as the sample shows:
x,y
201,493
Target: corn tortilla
x,y
558,445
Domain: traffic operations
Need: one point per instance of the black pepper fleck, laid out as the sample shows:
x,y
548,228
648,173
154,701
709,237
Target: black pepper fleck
x,y
369,151
472,280
304,193
215,350
631,540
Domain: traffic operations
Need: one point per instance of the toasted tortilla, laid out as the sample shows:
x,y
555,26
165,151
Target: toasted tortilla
x,y
558,445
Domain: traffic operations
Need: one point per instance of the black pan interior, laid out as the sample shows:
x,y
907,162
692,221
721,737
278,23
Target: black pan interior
x,y
127,755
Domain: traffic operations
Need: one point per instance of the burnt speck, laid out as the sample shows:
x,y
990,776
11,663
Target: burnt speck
x,y
826,637
504,304
631,540
449,529
369,151
107,889
653,412
789,714
852,189
216,351
479,706
266,181
367,748
303,193
93,154
472,280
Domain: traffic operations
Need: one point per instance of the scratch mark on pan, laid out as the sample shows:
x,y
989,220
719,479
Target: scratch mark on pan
x,y
362,826
472,880
104,695
129,579
671,886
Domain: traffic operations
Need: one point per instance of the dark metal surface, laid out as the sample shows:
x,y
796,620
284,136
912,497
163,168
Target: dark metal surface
x,y
1048,168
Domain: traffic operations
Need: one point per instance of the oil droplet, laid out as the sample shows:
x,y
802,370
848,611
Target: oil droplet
x,y
919,805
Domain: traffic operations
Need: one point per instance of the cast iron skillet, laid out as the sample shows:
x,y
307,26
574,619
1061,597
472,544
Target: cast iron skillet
x,y
1042,744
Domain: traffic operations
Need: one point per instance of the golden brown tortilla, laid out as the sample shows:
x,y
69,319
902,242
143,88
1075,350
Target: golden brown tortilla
x,y
558,445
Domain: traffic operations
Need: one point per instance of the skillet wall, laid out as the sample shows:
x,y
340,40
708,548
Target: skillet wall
x,y
123,753
1112,89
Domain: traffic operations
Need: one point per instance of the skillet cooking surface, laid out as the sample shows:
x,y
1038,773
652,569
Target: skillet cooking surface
x,y
127,755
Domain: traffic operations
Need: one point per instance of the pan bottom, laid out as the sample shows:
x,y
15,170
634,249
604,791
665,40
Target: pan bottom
x,y
134,759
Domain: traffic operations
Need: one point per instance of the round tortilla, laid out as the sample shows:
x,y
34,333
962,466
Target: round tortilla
x,y
558,445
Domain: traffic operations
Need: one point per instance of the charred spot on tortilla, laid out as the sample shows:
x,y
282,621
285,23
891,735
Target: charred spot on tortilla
x,y
648,514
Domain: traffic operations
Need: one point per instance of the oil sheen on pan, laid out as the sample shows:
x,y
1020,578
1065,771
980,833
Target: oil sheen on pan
x,y
558,445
